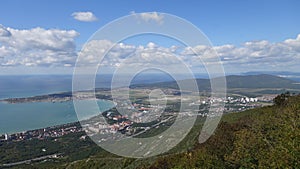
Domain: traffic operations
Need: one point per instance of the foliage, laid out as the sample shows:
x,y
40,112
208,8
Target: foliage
x,y
268,137
281,100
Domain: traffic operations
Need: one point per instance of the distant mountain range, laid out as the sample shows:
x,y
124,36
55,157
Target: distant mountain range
x,y
260,81
289,75
236,81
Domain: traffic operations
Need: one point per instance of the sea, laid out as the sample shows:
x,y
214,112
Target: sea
x,y
28,116
21,117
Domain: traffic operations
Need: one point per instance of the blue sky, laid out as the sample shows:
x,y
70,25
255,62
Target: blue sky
x,y
224,23
231,22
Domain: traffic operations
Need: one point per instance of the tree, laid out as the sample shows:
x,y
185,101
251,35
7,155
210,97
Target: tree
x,y
281,100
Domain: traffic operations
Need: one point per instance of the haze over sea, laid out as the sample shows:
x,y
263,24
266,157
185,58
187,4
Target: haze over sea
x,y
33,85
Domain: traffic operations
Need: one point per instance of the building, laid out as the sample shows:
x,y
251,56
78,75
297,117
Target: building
x,y
6,136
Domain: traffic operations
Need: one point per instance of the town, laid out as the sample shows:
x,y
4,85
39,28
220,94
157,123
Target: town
x,y
41,134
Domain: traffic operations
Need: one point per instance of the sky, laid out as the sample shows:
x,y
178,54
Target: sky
x,y
47,36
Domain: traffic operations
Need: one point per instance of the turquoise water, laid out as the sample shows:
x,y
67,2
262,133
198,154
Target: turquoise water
x,y
27,116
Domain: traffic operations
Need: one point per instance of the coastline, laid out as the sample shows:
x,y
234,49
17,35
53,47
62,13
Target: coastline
x,y
60,96
76,125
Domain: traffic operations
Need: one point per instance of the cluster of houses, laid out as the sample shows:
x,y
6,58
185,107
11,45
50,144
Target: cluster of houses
x,y
120,123
41,134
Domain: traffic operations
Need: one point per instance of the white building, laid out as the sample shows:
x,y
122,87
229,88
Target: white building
x,y
6,136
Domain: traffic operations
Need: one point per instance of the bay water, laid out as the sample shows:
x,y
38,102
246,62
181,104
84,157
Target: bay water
x,y
28,116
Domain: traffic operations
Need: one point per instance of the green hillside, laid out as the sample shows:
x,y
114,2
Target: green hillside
x,y
267,137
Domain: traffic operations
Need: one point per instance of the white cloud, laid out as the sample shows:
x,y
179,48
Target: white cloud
x,y
84,16
149,16
37,47
126,55
253,55
294,44
250,56
92,51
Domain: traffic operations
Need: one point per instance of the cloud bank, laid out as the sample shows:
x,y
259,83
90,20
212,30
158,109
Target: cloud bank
x,y
56,48
37,47
249,56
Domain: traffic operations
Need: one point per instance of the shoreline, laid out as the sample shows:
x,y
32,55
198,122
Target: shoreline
x,y
58,96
